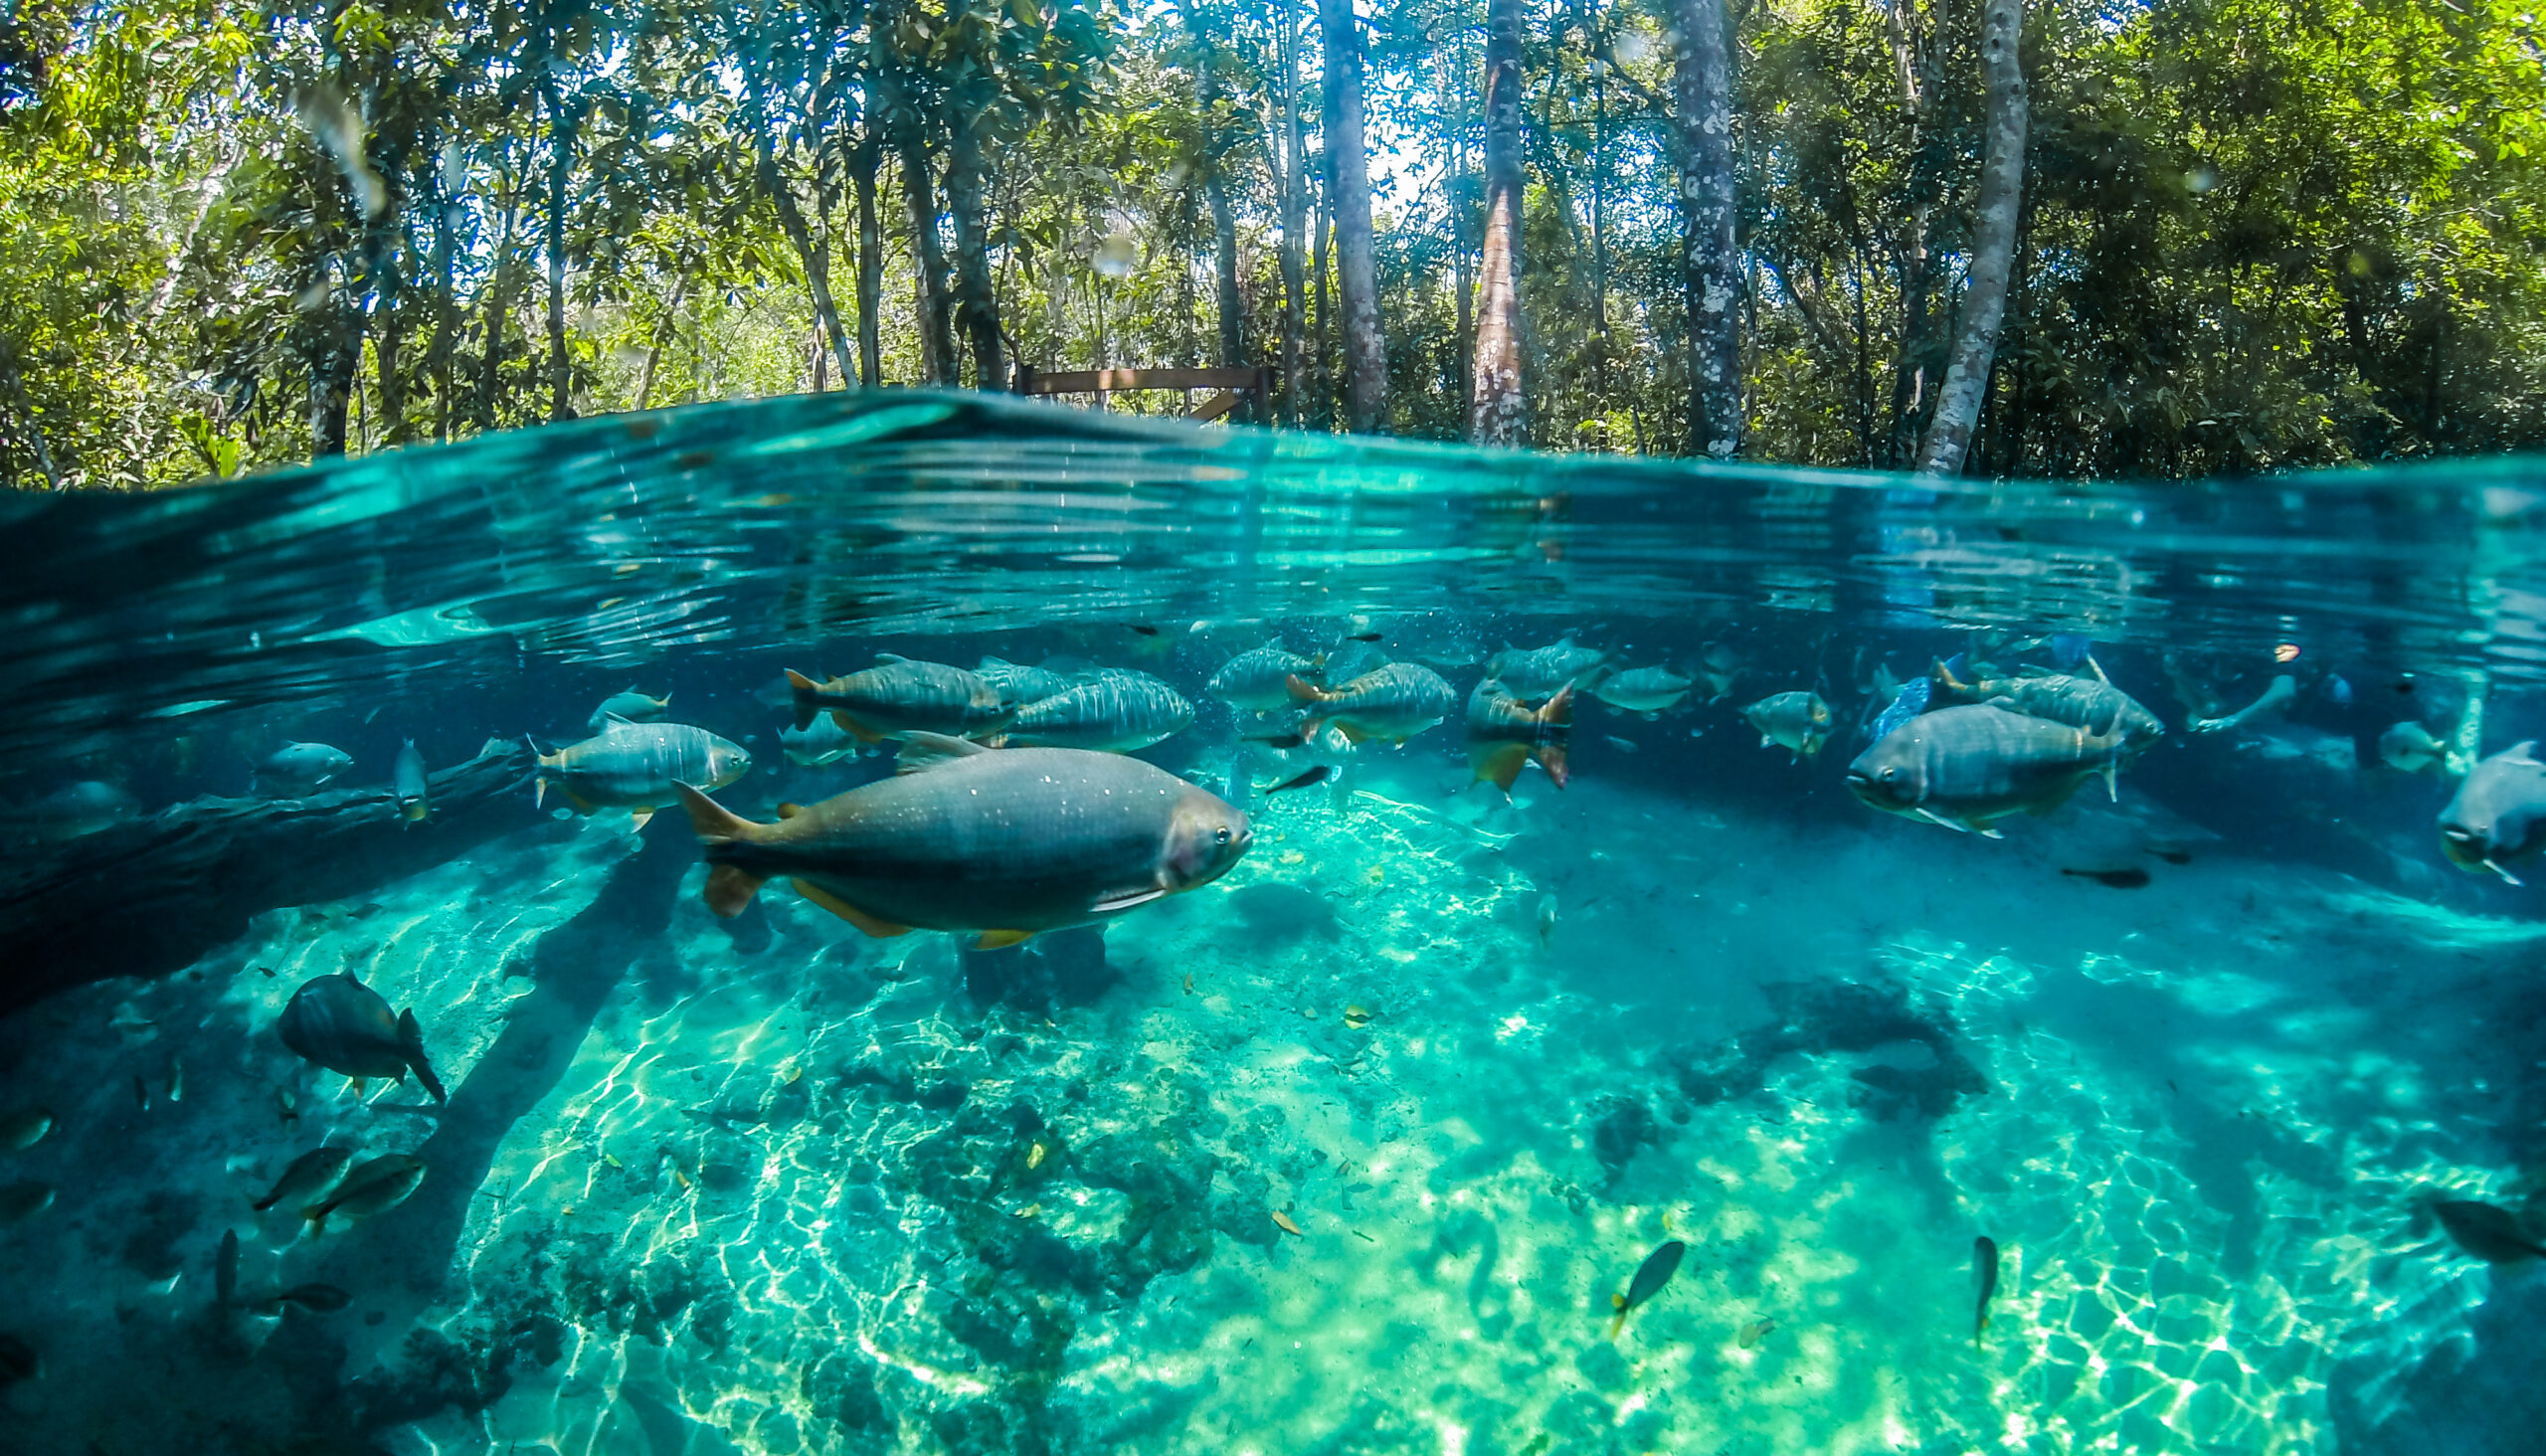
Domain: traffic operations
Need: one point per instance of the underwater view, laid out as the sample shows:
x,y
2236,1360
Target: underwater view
x,y
909,922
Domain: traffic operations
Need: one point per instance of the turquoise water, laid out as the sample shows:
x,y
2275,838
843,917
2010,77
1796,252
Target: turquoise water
x,y
2196,1054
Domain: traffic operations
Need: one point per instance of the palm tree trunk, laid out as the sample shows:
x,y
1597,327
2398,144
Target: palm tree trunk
x,y
1984,303
1499,414
1703,85
1348,168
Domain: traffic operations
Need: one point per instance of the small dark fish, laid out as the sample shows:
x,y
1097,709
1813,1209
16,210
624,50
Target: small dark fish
x,y
19,1361
1144,629
1984,1272
2173,856
23,1201
312,1175
2119,879
1317,774
1655,1272
176,1081
1366,636
382,1184
2492,1233
24,1128
225,1273
1276,740
343,1026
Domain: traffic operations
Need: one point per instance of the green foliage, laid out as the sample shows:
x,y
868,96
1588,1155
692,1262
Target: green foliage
x,y
2255,232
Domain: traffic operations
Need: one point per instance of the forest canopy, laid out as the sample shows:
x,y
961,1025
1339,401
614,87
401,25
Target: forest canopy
x,y
2005,237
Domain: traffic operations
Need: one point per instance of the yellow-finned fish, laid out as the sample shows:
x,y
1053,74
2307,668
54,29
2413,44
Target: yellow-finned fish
x,y
899,697
635,766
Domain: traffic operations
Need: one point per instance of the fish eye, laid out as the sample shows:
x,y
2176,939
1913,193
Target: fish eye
x,y
1222,834
1889,775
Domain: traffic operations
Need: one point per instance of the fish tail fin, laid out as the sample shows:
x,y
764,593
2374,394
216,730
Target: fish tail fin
x,y
262,1204
1617,1322
1557,711
410,1039
314,1219
1551,757
804,688
1499,764
1305,691
730,888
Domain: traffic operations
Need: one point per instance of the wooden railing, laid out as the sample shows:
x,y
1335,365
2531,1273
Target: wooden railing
x,y
1235,386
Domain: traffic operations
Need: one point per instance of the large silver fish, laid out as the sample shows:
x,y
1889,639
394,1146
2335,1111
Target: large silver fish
x,y
1536,671
1799,722
816,742
1505,732
1392,704
629,706
1260,682
1117,713
2090,703
1003,842
634,765
343,1026
2497,817
1646,690
297,770
1967,766
407,779
899,697
381,1183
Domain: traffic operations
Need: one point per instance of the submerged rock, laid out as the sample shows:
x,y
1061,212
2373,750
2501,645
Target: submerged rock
x,y
1819,1018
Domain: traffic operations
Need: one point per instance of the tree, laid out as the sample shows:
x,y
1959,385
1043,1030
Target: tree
x,y
1499,414
1347,173
1709,213
1984,301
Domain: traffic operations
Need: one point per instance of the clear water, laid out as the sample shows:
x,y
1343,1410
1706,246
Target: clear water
x,y
770,1185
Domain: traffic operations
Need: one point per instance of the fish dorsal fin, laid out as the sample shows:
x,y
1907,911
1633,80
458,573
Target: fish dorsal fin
x,y
2523,752
991,661
924,751
887,659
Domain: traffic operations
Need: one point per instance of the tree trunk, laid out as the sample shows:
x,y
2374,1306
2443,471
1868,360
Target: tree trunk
x,y
927,258
655,354
1231,307
499,304
1321,355
1348,168
976,303
870,267
1984,303
1499,413
1704,99
1294,221
816,258
561,141
446,305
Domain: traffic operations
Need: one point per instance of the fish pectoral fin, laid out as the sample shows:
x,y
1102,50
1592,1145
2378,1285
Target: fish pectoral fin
x,y
730,887
924,751
1500,764
1126,899
2506,875
853,728
790,809
2113,780
640,817
1307,693
879,928
580,803
1000,940
1933,817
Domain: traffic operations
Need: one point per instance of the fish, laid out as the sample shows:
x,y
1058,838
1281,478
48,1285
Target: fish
x,y
2408,748
24,1199
629,706
2275,698
2490,1234
1258,681
1546,921
633,765
1356,1016
1797,721
1967,766
1018,684
1647,690
1505,732
1118,712
310,1177
1007,842
1144,629
75,811
1650,1277
297,770
2497,817
225,1269
371,1188
175,1082
815,744
24,1128
2285,653
1309,780
899,697
2072,650
1721,665
1366,636
318,1299
19,1361
1392,704
339,1024
1622,745
1283,1221
1536,672
2119,879
407,781
1754,1332
2081,702
1984,1274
